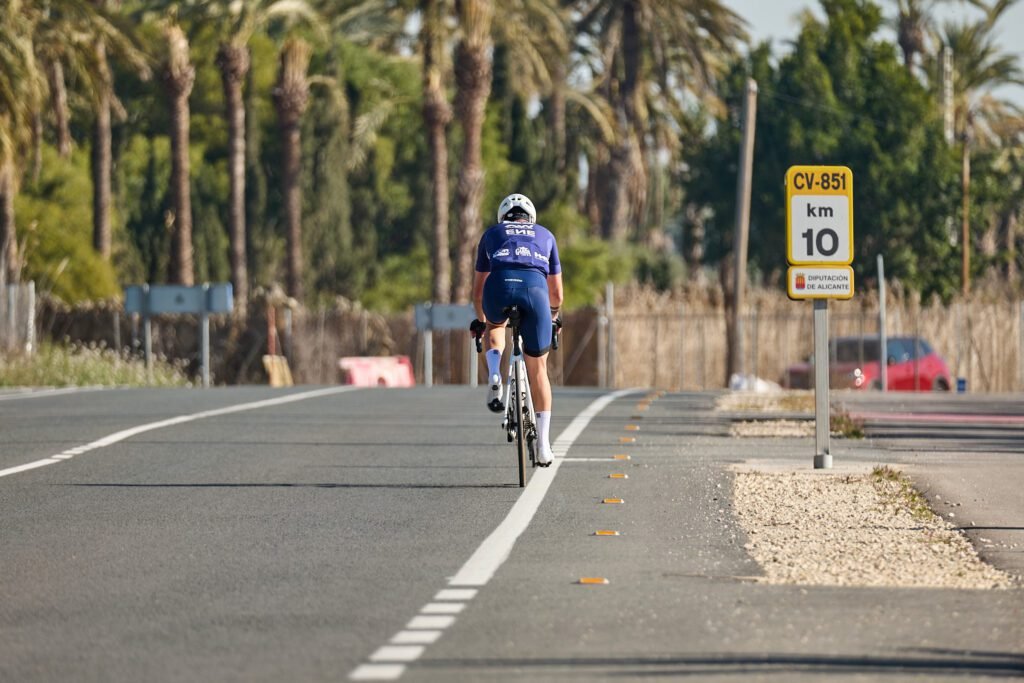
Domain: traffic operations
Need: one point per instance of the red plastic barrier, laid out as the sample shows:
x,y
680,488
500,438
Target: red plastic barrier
x,y
377,371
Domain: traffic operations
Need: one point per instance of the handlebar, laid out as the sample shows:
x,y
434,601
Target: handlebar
x,y
556,333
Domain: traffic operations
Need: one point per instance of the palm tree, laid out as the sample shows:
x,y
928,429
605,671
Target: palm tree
x,y
436,115
534,30
473,80
179,76
105,37
238,22
649,56
291,96
22,87
979,67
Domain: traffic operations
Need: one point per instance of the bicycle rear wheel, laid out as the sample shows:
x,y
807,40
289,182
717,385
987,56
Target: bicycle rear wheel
x,y
521,437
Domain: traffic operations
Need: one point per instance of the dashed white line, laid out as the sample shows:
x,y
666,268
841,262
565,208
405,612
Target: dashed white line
x,y
443,608
456,594
425,628
397,653
415,637
441,622
117,437
377,672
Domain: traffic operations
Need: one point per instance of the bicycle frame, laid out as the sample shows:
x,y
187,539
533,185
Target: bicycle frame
x,y
517,359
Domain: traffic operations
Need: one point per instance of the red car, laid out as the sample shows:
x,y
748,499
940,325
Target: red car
x,y
853,364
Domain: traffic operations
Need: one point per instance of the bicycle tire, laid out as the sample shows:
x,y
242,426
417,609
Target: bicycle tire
x,y
520,426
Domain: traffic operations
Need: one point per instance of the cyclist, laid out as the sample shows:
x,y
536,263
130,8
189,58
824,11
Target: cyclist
x,y
517,263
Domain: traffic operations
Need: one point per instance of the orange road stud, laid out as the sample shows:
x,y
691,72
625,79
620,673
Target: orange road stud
x,y
632,428
606,532
627,439
621,456
618,475
593,581
613,501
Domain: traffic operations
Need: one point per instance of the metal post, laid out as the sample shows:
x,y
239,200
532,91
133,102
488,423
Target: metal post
x,y
822,454
428,358
204,323
1020,348
947,93
204,338
12,316
602,352
472,367
147,325
609,305
30,323
682,347
743,184
883,341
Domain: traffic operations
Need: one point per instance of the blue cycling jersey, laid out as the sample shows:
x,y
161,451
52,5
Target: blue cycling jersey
x,y
518,245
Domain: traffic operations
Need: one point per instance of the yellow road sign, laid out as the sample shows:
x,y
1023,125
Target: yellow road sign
x,y
819,215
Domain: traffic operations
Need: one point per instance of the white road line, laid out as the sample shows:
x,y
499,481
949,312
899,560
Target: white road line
x,y
456,594
441,622
482,564
397,653
443,608
377,672
42,393
496,548
117,437
415,637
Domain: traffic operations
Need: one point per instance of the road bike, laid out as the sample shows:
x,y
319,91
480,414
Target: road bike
x,y
519,422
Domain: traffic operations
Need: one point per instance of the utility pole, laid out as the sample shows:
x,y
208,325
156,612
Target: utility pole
x,y
965,186
743,182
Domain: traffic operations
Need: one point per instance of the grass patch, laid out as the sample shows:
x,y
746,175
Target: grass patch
x,y
842,424
56,365
896,490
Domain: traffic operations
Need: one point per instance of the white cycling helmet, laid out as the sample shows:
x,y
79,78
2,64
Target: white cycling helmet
x,y
517,201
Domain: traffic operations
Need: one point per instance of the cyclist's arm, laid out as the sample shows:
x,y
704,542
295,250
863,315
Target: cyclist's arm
x,y
555,290
478,293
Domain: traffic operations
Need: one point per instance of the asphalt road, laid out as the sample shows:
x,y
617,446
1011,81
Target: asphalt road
x,y
965,452
318,539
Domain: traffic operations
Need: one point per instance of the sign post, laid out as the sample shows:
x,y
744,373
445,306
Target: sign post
x,y
201,300
430,317
819,248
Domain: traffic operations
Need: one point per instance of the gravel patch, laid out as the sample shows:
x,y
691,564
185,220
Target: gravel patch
x,y
749,402
779,428
853,529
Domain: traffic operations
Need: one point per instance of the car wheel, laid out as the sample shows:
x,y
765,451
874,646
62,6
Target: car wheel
x,y
940,384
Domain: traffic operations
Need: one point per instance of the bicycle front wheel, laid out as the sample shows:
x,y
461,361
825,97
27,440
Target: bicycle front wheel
x,y
521,445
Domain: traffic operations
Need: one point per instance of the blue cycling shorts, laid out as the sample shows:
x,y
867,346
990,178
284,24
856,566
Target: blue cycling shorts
x,y
529,290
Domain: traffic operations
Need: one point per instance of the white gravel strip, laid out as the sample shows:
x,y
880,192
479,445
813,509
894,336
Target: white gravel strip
x,y
777,428
851,529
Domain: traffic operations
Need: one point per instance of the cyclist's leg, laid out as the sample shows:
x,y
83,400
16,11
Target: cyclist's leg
x,y
536,342
494,298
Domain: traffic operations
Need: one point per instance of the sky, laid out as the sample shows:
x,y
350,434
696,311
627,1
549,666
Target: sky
x,y
777,20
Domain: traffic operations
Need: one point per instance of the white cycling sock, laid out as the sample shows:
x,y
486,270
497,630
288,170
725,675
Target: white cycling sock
x,y
493,357
543,435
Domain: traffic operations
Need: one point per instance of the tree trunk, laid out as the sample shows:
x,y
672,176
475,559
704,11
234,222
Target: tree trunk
x,y
436,116
59,101
626,174
291,97
473,79
558,129
7,234
233,61
179,77
101,158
